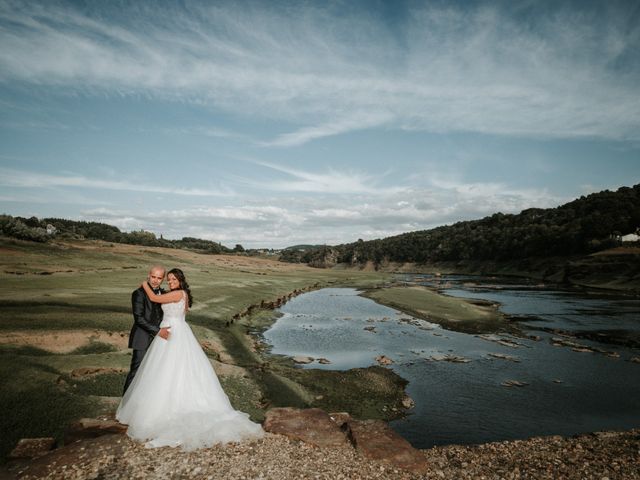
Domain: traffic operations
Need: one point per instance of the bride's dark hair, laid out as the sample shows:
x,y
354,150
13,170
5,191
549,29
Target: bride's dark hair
x,y
176,272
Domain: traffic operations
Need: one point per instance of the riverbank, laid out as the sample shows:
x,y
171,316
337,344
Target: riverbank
x,y
614,269
611,455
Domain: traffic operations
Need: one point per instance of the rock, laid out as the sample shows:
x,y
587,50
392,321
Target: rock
x,y
340,418
503,356
513,383
311,425
303,359
324,361
509,343
384,360
635,359
582,349
376,440
407,402
91,428
449,358
370,329
556,341
501,341
32,447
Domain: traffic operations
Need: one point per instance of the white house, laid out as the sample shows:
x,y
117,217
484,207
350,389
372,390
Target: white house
x,y
630,237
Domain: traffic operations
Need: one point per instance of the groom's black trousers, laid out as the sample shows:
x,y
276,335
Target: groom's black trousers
x,y
136,360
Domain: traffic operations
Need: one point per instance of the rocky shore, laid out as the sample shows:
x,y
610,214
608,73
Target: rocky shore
x,y
303,451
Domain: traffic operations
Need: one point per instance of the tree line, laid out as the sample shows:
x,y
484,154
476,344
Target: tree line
x,y
586,225
35,229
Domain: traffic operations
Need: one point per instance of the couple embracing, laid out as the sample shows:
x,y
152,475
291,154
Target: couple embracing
x,y
172,396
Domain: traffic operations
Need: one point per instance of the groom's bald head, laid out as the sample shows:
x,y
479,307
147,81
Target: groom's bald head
x,y
156,276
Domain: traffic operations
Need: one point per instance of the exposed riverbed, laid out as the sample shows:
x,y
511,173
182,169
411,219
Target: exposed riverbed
x,y
459,381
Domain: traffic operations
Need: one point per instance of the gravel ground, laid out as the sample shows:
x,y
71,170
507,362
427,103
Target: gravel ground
x,y
612,455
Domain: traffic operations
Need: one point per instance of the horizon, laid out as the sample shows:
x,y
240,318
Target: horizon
x,y
284,123
353,241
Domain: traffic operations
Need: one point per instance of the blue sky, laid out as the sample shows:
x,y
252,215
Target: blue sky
x,y
276,123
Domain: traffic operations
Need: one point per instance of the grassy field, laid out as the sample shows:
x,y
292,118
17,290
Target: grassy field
x,y
65,307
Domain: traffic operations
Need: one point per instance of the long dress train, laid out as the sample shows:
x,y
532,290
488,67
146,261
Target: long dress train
x,y
176,399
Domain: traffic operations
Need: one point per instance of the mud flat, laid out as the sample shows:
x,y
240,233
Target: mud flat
x,y
461,315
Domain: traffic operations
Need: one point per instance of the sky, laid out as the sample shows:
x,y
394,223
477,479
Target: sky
x,y
272,124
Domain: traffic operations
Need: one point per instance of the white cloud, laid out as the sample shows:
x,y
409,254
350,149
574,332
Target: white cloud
x,y
23,179
278,222
336,182
564,74
307,134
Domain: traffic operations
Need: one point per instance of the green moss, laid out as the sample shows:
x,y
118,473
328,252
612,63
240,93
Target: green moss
x,y
372,392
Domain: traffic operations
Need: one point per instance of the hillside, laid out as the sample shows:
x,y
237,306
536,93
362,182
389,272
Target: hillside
x,y
555,243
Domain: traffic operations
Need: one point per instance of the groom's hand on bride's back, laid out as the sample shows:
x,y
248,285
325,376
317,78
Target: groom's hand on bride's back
x,y
164,333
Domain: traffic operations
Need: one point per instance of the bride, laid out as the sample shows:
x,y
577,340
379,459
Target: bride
x,y
175,399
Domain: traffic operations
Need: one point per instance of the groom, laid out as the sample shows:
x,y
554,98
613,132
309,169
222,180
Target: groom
x,y
147,317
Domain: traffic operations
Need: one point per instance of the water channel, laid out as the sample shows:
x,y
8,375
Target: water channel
x,y
565,391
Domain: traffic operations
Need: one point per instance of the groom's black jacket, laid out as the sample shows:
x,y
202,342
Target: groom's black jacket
x,y
147,316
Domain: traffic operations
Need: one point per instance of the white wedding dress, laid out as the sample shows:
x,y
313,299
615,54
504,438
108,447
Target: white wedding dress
x,y
175,398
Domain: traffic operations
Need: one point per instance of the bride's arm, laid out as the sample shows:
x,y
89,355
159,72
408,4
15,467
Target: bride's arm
x,y
170,297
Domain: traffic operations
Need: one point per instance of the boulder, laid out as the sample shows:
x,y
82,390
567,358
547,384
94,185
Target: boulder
x,y
91,428
376,440
311,425
32,447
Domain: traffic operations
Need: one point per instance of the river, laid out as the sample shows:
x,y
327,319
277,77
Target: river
x,y
563,391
